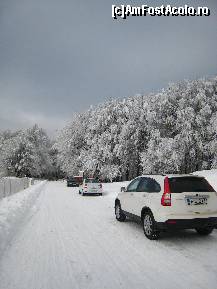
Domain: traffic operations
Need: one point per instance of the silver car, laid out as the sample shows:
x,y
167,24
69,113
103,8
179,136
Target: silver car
x,y
91,186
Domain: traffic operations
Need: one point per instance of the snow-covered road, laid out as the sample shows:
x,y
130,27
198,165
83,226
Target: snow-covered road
x,y
70,241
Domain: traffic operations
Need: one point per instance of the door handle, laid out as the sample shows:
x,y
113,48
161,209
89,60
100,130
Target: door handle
x,y
144,195
131,194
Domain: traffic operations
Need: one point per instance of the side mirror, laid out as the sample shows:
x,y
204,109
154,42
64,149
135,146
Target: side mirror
x,y
123,189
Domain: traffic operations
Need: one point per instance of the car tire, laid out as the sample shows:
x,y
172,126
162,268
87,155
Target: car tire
x,y
119,214
149,226
204,231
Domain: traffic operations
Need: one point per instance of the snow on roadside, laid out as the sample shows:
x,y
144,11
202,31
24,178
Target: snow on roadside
x,y
113,188
210,175
13,209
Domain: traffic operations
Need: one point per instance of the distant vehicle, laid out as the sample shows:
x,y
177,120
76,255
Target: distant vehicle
x,y
79,180
74,181
71,182
169,202
91,186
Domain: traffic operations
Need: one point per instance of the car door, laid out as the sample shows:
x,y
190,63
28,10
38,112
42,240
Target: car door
x,y
140,196
126,197
144,197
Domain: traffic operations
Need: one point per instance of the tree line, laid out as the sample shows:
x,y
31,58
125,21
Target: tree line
x,y
172,131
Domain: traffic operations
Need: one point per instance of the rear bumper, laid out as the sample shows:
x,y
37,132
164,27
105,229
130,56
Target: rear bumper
x,y
173,224
71,185
92,193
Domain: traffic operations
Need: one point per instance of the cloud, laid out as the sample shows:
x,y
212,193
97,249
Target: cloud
x,y
59,57
26,120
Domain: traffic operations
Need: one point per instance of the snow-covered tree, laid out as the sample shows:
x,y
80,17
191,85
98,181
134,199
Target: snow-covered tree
x,y
171,131
26,153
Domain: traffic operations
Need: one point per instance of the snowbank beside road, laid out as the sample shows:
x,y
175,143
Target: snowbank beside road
x,y
113,188
13,209
210,175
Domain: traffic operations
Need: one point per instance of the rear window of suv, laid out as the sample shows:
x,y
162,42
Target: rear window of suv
x,y
189,184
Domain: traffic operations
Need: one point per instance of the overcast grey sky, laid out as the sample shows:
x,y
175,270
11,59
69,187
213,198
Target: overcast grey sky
x,y
60,56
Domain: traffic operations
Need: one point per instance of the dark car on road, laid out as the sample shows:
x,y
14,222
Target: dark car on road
x,y
71,182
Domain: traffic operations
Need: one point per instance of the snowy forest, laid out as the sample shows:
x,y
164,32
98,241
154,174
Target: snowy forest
x,y
172,131
27,153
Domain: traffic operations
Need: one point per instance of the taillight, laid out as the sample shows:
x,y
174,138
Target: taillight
x,y
166,197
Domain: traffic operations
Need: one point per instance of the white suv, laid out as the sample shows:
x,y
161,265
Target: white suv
x,y
164,202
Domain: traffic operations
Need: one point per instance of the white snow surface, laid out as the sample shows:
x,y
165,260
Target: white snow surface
x,y
12,212
210,175
73,241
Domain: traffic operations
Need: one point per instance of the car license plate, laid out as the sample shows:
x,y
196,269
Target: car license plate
x,y
194,201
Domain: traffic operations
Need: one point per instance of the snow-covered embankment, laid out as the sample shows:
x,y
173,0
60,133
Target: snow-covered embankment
x,y
13,209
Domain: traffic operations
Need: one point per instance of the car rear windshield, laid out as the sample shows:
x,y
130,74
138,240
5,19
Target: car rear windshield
x,y
91,181
189,184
